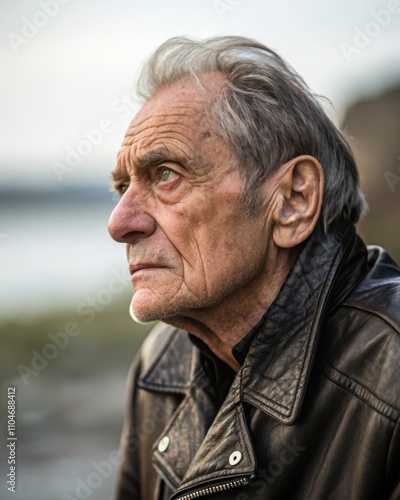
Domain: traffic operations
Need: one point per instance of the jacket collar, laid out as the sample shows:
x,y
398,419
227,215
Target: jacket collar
x,y
279,361
275,372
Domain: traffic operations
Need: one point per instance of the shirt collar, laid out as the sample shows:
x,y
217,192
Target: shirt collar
x,y
239,350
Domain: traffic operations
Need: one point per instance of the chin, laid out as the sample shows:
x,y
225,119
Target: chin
x,y
135,317
145,312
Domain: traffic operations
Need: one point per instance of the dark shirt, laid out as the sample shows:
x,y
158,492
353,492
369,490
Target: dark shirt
x,y
220,374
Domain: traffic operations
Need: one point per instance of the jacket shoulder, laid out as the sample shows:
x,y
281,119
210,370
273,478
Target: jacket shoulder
x,y
165,359
379,291
361,345
157,340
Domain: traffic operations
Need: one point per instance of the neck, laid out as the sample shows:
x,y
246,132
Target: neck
x,y
223,325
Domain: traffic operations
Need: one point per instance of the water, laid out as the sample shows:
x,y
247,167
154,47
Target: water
x,y
55,250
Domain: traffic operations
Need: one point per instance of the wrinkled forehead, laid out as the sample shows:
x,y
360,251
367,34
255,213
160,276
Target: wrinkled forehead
x,y
184,104
175,122
200,91
201,85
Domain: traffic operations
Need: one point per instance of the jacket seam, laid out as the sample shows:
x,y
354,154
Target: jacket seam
x,y
391,413
167,389
371,309
286,411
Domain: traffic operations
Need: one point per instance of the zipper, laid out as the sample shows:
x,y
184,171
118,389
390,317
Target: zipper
x,y
218,488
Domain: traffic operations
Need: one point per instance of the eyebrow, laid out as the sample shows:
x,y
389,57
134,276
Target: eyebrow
x,y
151,158
118,176
154,157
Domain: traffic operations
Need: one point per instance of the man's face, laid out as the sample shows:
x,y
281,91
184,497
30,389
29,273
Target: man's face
x,y
188,240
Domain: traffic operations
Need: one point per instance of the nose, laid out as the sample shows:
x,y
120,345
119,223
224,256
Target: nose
x,y
129,220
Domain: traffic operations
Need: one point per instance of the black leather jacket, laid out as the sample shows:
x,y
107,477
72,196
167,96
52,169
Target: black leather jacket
x,y
312,414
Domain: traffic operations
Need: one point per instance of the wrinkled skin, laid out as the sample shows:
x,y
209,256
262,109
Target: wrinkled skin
x,y
196,258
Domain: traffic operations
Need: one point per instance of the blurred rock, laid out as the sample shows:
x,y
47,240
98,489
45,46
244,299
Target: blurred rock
x,y
374,127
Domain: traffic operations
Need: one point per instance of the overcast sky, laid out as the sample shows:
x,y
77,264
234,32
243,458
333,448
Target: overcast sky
x,y
68,71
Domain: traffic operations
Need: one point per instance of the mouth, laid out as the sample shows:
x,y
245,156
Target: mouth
x,y
133,269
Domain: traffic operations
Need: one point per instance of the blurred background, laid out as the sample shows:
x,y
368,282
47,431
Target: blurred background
x,y
68,73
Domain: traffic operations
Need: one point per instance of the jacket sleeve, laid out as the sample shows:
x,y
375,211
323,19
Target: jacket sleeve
x,y
128,479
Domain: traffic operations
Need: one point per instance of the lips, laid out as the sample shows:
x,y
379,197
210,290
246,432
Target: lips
x,y
138,267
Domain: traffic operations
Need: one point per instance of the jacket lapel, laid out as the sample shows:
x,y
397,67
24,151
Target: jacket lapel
x,y
186,429
195,435
200,451
279,360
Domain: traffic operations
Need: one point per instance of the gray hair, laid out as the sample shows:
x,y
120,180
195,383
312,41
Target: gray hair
x,y
266,112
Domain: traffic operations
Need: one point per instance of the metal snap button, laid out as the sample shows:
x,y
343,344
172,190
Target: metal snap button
x,y
163,444
235,458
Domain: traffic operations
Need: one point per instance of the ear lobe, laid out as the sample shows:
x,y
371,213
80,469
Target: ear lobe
x,y
301,188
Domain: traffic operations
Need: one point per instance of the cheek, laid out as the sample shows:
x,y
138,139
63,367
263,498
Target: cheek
x,y
212,237
233,246
186,230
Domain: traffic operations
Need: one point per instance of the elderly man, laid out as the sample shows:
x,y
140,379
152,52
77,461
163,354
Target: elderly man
x,y
275,373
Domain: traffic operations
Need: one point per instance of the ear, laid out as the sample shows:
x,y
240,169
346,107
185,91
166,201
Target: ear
x,y
301,186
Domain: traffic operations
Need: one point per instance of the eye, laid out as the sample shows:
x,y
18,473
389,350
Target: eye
x,y
120,189
166,174
123,188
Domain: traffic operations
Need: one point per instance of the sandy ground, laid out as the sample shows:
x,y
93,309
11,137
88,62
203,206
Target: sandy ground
x,y
70,414
66,431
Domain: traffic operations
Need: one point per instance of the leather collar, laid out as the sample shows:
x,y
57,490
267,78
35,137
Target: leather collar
x,y
279,361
